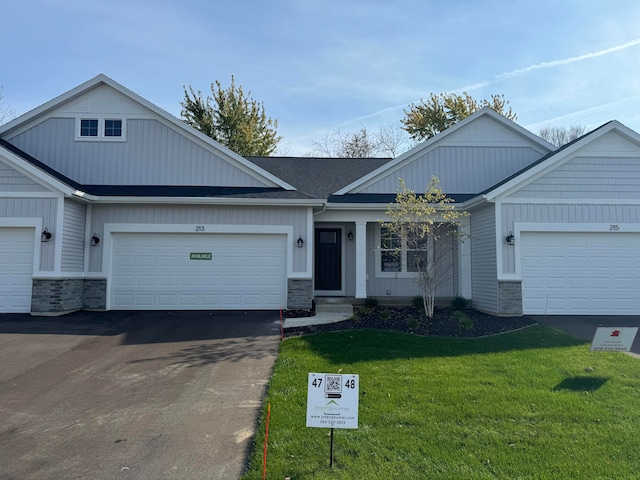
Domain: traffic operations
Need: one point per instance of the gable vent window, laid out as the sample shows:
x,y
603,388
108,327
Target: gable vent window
x,y
113,128
89,128
101,129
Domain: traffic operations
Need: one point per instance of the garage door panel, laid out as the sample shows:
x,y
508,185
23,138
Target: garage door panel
x,y
599,274
16,269
244,271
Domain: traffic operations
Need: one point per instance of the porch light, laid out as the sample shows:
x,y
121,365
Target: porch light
x,y
511,240
45,236
350,235
300,242
95,240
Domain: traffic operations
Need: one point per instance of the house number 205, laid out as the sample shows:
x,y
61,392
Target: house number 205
x,y
614,228
199,228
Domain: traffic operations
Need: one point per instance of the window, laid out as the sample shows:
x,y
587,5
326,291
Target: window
x,y
101,129
113,128
396,256
89,128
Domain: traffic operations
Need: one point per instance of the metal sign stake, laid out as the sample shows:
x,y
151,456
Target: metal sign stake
x,y
331,450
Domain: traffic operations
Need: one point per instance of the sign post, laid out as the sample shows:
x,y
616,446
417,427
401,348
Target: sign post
x,y
332,402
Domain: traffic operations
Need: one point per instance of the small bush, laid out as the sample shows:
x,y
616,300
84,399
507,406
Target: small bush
x,y
385,314
463,320
371,302
417,302
412,323
459,303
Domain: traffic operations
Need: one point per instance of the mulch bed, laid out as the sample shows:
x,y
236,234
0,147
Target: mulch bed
x,y
446,322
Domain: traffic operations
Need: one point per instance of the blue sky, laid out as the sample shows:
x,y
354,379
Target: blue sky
x,y
322,65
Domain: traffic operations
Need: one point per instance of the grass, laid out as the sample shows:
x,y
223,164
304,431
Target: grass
x,y
533,404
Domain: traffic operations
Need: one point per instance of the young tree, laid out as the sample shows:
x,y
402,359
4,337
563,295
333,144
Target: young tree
x,y
231,118
6,112
439,112
560,136
427,228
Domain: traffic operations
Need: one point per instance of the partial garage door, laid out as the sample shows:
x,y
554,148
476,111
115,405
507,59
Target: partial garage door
x,y
580,273
16,269
198,271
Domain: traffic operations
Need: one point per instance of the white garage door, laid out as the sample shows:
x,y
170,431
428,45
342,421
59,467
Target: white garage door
x,y
198,271
16,269
580,273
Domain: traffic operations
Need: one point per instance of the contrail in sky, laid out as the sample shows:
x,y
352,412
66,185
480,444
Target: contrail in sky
x,y
516,73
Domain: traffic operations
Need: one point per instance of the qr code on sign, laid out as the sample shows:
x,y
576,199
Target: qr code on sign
x,y
333,384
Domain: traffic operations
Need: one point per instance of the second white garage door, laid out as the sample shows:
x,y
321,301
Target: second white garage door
x,y
580,273
16,269
198,271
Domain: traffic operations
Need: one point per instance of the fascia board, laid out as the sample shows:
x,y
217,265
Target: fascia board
x,y
101,79
433,142
209,201
552,162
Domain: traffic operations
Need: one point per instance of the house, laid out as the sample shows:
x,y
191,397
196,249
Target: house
x,y
107,202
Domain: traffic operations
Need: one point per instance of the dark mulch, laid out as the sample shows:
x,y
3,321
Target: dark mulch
x,y
446,322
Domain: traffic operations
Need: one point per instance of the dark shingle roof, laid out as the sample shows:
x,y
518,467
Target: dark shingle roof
x,y
318,177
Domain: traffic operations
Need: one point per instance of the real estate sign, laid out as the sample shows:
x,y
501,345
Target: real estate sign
x,y
332,400
613,339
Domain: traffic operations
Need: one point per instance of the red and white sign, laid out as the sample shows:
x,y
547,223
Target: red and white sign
x,y
613,339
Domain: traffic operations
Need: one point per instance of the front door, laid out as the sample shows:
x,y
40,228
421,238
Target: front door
x,y
328,259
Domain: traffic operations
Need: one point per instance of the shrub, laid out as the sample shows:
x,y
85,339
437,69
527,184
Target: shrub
x,y
371,302
412,323
463,320
417,302
459,303
385,313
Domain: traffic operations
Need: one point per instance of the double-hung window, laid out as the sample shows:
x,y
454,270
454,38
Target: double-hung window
x,y
399,255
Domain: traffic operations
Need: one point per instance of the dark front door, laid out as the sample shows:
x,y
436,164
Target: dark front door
x,y
328,259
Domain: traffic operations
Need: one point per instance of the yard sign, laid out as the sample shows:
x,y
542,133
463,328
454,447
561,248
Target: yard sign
x,y
332,400
613,339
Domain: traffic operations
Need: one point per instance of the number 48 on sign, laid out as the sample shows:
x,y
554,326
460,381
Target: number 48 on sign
x,y
332,400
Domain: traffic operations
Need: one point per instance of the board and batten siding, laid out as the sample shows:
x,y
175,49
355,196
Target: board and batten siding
x,y
460,169
13,181
484,283
200,215
45,208
153,154
73,237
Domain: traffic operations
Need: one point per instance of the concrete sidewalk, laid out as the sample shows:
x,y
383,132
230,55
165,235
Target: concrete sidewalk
x,y
325,313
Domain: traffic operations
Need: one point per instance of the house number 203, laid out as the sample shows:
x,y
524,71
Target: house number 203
x,y
199,228
614,228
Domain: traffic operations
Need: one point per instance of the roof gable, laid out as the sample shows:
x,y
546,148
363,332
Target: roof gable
x,y
101,95
591,151
467,158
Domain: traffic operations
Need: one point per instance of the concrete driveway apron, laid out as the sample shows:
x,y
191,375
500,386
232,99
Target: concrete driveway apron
x,y
144,395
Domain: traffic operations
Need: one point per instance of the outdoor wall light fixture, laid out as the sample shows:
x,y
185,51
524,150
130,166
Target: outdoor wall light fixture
x,y
350,235
45,236
95,240
511,240
300,242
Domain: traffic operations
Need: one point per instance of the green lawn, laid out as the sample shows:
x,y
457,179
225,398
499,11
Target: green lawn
x,y
533,404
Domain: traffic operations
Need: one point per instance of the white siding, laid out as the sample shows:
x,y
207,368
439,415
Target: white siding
x,y
460,169
73,237
34,208
588,177
152,154
484,284
199,215
13,181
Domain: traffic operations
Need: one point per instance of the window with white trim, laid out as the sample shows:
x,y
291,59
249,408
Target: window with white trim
x,y
396,256
100,129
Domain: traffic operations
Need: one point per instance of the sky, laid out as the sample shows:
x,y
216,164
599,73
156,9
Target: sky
x,y
322,66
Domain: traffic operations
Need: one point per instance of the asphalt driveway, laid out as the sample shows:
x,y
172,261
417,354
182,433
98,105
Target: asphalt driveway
x,y
144,395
